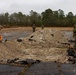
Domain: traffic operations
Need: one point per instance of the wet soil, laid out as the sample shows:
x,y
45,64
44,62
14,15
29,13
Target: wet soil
x,y
51,68
9,70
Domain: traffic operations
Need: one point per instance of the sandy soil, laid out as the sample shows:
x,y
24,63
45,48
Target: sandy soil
x,y
40,49
30,29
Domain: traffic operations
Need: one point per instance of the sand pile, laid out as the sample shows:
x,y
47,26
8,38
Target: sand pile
x,y
45,45
47,38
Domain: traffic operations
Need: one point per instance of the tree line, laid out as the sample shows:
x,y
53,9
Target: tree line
x,y
48,18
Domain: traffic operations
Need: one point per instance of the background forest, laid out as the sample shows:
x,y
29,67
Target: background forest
x,y
48,18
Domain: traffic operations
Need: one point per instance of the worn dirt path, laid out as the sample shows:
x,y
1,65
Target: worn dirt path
x,y
30,29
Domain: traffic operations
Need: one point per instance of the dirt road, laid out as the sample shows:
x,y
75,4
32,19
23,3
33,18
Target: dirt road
x,y
30,29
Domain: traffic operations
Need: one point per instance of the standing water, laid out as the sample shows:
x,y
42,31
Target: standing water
x,y
10,70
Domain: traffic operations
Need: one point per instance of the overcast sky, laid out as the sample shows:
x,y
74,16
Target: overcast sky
x,y
25,6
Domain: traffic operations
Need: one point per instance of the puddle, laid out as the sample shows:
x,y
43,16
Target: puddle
x,y
10,70
49,68
14,35
69,34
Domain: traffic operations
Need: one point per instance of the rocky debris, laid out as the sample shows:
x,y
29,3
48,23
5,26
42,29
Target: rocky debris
x,y
17,61
19,40
12,60
47,38
72,41
5,40
72,55
70,52
28,62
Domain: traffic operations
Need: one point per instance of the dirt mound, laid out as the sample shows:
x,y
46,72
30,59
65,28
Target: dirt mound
x,y
41,45
47,38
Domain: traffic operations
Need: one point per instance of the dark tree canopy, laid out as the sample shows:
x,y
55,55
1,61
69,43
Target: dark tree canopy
x,y
48,18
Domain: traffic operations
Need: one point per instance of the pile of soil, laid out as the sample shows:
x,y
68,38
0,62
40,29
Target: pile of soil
x,y
47,38
44,45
